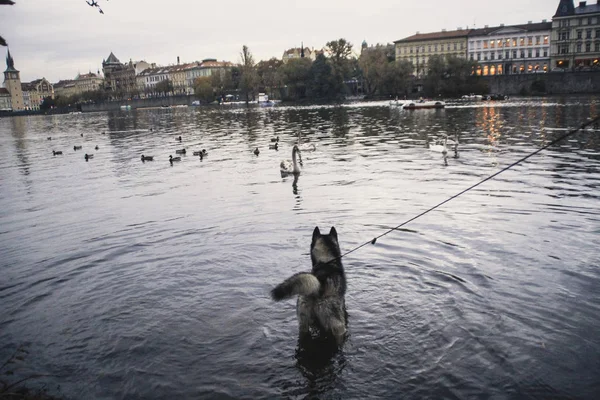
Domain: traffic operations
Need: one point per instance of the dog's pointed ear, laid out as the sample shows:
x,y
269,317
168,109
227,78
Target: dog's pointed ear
x,y
333,233
316,234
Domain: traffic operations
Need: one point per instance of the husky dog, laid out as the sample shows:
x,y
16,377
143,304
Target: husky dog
x,y
321,306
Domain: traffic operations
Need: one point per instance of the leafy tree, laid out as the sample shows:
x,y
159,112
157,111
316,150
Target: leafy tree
x,y
397,78
47,103
164,87
249,77
452,76
295,74
339,52
375,69
203,88
321,79
268,74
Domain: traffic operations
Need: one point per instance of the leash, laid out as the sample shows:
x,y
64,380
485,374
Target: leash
x,y
594,120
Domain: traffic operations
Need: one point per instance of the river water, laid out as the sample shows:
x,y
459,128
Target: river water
x,y
131,280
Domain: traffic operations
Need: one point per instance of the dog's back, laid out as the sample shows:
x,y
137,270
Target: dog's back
x,y
321,305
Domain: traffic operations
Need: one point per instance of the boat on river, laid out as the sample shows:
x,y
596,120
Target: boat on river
x,y
424,104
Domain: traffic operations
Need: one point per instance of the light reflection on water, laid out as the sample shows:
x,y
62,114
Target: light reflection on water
x,y
142,280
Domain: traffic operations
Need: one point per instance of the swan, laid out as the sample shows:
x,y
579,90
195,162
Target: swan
x,y
305,146
288,167
439,148
147,158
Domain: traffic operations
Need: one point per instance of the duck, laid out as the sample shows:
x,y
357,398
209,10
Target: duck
x,y
147,158
49,138
288,167
275,140
274,146
103,132
204,152
77,147
179,138
256,151
88,156
456,146
96,148
180,151
56,153
439,148
173,159
197,153
82,135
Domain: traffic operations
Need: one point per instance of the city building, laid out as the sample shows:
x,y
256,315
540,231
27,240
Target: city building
x,y
299,52
65,88
12,84
576,36
119,78
150,77
5,100
178,77
89,82
420,47
507,50
36,92
207,67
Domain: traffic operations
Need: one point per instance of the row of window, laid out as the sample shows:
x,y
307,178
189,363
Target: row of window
x,y
567,22
579,47
156,78
507,54
432,47
588,34
516,69
507,42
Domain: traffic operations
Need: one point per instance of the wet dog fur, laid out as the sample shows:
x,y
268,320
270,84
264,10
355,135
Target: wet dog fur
x,y
321,307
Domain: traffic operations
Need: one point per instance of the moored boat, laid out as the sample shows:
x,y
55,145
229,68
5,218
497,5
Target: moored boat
x,y
424,104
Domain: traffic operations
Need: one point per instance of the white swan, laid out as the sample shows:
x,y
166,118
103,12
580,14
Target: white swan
x,y
305,146
439,148
288,167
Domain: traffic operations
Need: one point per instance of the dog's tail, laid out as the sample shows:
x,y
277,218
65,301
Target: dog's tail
x,y
303,283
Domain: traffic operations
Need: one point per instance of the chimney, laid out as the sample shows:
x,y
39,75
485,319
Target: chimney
x,y
177,60
501,25
529,22
486,26
418,32
459,28
544,21
582,4
443,30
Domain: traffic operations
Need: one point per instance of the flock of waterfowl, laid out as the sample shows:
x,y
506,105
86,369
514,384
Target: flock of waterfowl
x,y
287,167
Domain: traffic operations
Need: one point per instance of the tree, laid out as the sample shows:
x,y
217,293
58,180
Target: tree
x,y
295,74
375,68
321,79
164,87
203,88
268,75
397,78
339,52
249,77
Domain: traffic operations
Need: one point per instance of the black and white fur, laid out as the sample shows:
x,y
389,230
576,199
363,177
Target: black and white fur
x,y
321,305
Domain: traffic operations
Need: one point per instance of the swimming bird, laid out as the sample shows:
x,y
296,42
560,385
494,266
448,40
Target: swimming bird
x,y
197,153
180,151
77,147
96,148
274,146
256,151
88,156
104,133
147,158
173,159
288,167
204,152
82,135
305,146
275,139
179,138
49,138
56,153
456,146
439,148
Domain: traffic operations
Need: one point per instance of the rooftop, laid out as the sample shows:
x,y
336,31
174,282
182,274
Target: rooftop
x,y
435,36
538,26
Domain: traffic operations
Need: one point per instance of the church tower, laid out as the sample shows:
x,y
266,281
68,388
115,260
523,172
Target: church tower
x,y
12,83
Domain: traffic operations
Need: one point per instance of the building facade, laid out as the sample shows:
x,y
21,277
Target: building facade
x,y
299,52
12,83
576,36
119,78
35,92
89,82
507,50
420,47
5,100
207,67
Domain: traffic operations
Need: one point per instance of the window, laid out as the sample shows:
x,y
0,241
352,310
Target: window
x,y
485,44
462,46
429,48
492,56
530,53
588,34
499,43
514,42
500,55
578,47
522,53
537,52
588,47
579,34
485,56
492,44
471,57
478,56
435,48
545,39
530,41
537,40
597,47
589,20
522,42
597,33
514,54
580,21
455,46
507,54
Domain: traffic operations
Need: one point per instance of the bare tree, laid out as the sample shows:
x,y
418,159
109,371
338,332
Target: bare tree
x,y
249,76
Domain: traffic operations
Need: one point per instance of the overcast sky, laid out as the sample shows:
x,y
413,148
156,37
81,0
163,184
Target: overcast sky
x,y
59,38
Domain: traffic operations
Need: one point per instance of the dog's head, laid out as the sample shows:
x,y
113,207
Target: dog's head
x,y
324,248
